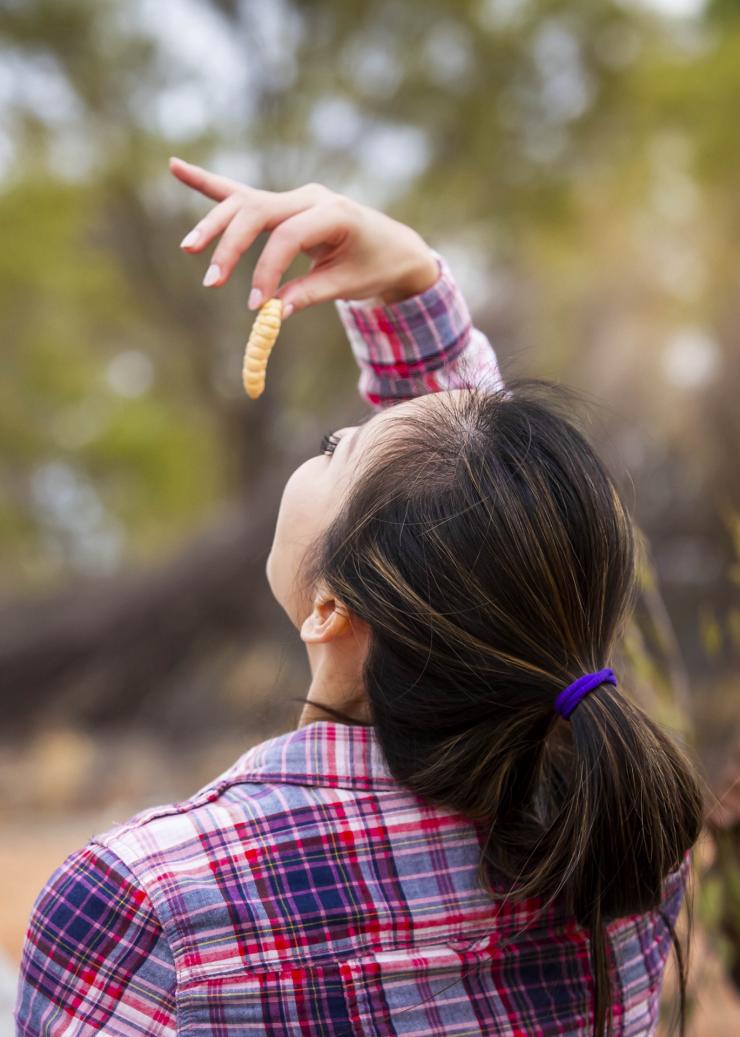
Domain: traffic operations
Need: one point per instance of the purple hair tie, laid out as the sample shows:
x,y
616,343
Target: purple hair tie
x,y
569,697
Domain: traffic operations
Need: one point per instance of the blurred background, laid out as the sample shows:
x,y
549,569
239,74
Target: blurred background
x,y
578,165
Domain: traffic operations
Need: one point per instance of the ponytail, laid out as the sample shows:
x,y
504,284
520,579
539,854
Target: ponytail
x,y
617,820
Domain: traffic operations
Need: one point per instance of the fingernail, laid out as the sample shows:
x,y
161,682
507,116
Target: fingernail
x,y
255,298
212,275
190,239
287,310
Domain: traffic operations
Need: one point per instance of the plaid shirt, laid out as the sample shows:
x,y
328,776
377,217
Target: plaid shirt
x,y
305,891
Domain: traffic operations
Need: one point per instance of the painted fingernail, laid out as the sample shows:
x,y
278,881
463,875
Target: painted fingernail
x,y
287,310
212,275
255,298
190,239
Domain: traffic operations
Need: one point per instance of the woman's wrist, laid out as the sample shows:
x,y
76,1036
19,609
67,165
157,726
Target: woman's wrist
x,y
423,273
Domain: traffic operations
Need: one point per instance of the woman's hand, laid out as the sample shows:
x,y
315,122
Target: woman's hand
x,y
357,252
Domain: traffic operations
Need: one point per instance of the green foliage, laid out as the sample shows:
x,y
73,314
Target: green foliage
x,y
68,310
581,155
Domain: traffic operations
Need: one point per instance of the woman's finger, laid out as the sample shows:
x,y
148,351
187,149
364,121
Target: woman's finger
x,y
209,184
270,210
212,224
241,232
325,224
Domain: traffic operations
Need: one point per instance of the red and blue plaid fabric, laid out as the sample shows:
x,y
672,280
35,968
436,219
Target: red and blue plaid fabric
x,y
420,345
304,891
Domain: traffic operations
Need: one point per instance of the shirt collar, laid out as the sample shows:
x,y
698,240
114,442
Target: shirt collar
x,y
324,752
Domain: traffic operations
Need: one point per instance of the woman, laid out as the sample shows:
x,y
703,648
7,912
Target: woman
x,y
487,836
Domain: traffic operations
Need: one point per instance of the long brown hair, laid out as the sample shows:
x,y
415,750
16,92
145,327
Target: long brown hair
x,y
492,557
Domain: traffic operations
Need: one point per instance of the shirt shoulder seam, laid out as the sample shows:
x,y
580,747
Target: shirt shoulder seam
x,y
151,906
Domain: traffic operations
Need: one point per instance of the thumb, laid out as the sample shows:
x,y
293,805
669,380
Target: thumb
x,y
312,288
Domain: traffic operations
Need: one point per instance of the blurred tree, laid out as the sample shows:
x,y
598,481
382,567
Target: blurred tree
x,y
574,161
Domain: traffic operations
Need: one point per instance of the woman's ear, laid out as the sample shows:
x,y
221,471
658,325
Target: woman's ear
x,y
327,620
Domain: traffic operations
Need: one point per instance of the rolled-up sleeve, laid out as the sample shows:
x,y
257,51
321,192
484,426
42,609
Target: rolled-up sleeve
x,y
426,343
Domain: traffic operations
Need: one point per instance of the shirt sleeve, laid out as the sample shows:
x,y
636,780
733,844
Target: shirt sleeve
x,y
95,957
423,344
